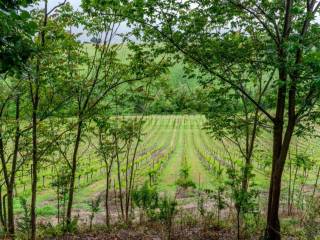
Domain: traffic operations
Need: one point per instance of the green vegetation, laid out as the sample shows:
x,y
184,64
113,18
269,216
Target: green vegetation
x,y
200,121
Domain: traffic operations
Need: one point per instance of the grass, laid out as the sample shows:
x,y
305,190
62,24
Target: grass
x,y
176,73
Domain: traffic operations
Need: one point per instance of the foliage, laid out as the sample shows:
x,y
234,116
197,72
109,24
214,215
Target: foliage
x,y
184,180
16,31
146,198
311,223
61,183
245,200
94,205
257,68
24,222
168,210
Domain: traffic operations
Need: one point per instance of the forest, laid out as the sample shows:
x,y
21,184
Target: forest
x,y
160,119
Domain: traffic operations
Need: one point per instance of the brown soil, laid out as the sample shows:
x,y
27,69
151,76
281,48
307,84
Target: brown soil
x,y
156,232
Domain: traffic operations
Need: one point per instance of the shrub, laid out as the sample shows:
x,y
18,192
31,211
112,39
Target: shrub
x,y
184,180
23,222
311,224
94,205
168,210
146,198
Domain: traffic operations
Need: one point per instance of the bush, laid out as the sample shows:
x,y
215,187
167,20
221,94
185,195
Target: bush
x,y
168,210
146,198
24,221
46,211
184,180
94,205
311,224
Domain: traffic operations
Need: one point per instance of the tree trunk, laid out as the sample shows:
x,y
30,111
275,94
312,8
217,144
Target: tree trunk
x,y
3,222
238,224
34,174
119,184
11,184
107,197
73,171
293,189
273,226
289,184
4,210
316,183
10,210
273,223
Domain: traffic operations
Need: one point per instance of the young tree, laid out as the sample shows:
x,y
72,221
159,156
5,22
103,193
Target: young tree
x,y
106,150
49,88
10,136
103,73
17,28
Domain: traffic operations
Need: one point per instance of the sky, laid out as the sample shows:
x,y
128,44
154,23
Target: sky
x,y
76,4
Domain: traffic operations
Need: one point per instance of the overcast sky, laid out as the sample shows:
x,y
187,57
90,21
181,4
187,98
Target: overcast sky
x,y
76,4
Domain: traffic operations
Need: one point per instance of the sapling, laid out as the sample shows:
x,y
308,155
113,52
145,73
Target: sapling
x,y
300,161
147,199
106,150
221,203
184,180
168,210
23,222
94,205
311,221
244,200
61,183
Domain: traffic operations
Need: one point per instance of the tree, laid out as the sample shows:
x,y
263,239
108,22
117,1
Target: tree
x,y
230,115
10,135
47,89
103,74
197,30
16,30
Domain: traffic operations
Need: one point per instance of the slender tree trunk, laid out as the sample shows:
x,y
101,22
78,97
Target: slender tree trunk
x,y
4,210
245,180
10,211
34,171
34,176
120,188
316,183
107,204
11,184
305,178
293,189
35,95
108,169
289,184
238,224
58,200
3,222
126,207
73,170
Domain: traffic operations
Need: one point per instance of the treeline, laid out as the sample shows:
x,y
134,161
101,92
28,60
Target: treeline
x,y
176,100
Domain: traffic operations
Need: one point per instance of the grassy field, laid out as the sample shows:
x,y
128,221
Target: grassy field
x,y
175,74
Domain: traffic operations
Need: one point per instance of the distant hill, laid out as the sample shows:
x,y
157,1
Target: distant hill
x,y
176,73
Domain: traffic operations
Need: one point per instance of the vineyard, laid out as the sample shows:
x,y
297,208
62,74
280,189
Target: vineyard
x,y
157,119
169,145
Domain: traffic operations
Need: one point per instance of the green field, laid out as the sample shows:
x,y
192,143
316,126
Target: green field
x,y
168,142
